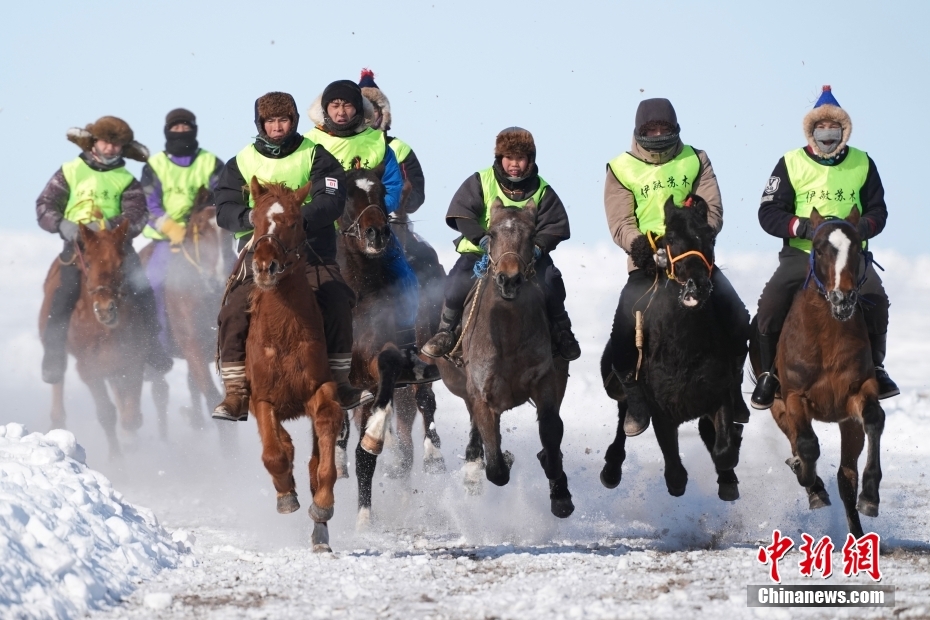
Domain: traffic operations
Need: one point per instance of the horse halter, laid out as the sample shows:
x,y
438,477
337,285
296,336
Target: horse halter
x,y
355,228
115,291
528,268
286,251
812,268
672,259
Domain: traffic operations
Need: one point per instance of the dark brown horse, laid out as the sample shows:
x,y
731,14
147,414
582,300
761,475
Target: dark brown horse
x,y
825,369
286,360
506,357
192,289
376,360
105,334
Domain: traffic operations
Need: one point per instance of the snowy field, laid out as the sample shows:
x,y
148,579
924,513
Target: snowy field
x,y
218,549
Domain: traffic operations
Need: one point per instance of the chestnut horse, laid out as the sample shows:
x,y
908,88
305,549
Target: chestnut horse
x,y
824,365
692,357
192,289
286,361
507,358
376,360
104,335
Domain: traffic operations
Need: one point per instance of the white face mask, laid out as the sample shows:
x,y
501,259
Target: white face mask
x,y
834,136
106,161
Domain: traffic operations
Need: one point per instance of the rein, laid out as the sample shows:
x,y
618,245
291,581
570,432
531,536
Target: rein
x,y
355,229
812,267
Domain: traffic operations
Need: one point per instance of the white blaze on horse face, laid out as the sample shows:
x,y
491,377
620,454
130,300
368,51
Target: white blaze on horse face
x,y
841,242
275,209
364,184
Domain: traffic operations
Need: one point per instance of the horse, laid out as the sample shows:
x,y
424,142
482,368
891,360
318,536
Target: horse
x,y
825,370
691,362
286,361
376,360
105,334
192,289
507,358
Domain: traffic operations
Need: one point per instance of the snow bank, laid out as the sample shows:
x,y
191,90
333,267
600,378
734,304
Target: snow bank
x,y
68,540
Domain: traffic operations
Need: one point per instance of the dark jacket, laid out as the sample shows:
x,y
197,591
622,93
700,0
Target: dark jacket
x,y
50,206
325,207
776,212
468,204
413,173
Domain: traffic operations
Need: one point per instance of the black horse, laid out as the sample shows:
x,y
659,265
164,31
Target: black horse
x,y
692,359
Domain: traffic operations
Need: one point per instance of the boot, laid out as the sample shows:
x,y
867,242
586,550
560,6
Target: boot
x,y
767,383
886,387
235,405
350,396
416,370
563,338
444,341
637,409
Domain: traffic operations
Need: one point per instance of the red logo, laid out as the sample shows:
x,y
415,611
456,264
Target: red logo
x,y
859,555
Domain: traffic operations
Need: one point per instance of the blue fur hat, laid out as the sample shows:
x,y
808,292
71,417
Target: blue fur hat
x,y
827,98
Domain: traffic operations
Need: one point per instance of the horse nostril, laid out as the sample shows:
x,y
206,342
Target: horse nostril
x,y
273,267
501,279
517,280
371,234
835,297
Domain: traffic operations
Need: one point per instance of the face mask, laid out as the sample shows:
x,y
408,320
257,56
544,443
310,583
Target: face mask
x,y
827,135
658,144
106,161
181,143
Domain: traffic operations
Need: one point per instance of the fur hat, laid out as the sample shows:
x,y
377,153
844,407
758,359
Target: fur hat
x,y
113,130
378,99
315,112
180,115
827,108
275,104
515,141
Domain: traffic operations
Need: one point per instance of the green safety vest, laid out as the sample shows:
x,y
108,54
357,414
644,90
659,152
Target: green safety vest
x,y
293,171
368,146
179,186
94,195
401,149
652,185
490,190
833,190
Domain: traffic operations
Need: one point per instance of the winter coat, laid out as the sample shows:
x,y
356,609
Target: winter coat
x,y
320,214
412,172
620,202
50,206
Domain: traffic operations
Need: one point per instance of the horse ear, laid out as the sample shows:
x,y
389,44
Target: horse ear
x,y
497,204
670,209
255,188
699,206
530,208
853,217
303,192
815,218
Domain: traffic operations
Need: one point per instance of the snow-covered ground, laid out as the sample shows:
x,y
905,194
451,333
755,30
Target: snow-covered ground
x,y
433,551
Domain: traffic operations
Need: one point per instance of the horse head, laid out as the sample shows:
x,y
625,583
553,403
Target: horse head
x,y
102,258
279,233
511,252
689,247
364,224
834,261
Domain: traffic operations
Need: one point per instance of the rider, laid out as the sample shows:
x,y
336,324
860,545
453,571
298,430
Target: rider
x,y
342,117
281,155
514,178
414,192
832,177
639,182
95,189
171,180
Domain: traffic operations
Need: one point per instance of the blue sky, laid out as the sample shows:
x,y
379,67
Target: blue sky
x,y
741,76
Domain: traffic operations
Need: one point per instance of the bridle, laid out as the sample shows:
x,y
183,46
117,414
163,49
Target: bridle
x,y
354,229
116,292
812,267
528,268
284,250
672,259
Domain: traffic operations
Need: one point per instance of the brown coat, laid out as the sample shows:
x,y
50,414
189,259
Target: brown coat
x,y
620,202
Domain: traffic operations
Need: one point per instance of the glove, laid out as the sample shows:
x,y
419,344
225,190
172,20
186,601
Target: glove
x,y
804,230
68,230
485,243
642,254
661,258
865,230
171,229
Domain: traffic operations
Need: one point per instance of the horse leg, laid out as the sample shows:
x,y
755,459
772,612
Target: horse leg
x,y
551,430
106,413
791,417
433,461
58,404
192,412
390,365
616,452
277,456
474,459
852,439
342,443
676,476
727,482
327,418
160,394
365,464
497,469
406,410
873,417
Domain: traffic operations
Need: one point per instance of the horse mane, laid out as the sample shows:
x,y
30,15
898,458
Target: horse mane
x,y
689,220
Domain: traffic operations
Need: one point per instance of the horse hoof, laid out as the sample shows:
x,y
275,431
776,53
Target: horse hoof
x,y
319,515
508,459
728,491
866,507
563,507
474,480
434,465
372,446
794,463
287,503
363,520
675,489
609,478
820,499
322,548
319,538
